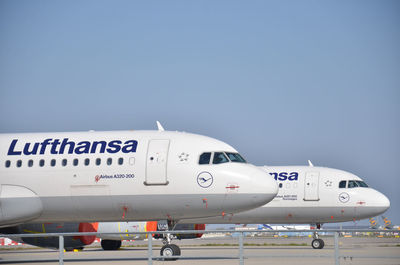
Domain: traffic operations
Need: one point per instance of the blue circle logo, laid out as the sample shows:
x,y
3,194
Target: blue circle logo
x,y
344,197
205,179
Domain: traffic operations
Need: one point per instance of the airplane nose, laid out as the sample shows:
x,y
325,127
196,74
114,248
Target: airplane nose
x,y
267,186
257,189
379,203
383,203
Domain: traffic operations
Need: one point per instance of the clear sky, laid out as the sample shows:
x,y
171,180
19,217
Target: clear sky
x,y
281,81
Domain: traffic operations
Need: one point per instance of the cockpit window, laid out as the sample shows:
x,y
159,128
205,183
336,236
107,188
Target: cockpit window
x,y
219,158
362,184
235,157
352,184
205,158
342,184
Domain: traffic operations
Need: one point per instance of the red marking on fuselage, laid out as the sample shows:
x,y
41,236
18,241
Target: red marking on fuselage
x,y
232,187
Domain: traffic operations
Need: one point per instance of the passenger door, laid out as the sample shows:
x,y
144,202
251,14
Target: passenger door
x,y
311,186
156,165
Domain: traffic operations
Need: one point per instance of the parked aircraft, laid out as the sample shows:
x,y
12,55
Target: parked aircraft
x,y
311,195
91,176
388,223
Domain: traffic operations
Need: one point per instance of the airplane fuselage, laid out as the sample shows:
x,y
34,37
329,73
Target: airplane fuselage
x,y
122,175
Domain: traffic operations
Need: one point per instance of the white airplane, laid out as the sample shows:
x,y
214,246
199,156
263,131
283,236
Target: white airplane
x,y
124,176
311,195
307,195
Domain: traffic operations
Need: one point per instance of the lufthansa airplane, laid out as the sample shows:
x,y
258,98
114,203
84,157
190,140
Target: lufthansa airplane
x,y
124,176
311,195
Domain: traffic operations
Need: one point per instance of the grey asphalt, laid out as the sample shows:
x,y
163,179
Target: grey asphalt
x,y
385,251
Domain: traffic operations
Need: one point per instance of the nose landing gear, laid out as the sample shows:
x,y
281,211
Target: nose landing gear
x,y
169,251
317,243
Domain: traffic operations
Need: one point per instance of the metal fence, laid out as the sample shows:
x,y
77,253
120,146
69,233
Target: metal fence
x,y
241,235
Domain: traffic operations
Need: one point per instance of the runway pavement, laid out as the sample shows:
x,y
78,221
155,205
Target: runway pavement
x,y
224,251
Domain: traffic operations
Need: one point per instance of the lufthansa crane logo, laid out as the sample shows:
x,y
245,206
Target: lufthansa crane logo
x,y
205,179
344,197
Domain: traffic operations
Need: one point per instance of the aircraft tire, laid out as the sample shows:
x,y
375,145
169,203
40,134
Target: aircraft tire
x,y
322,244
170,250
110,244
317,244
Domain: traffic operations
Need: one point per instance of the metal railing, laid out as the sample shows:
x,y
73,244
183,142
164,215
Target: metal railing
x,y
241,235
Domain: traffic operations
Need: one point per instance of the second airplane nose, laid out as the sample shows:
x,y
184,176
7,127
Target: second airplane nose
x,y
378,203
383,203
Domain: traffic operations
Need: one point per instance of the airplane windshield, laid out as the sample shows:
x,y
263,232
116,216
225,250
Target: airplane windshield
x,y
235,157
220,158
342,184
352,184
362,184
357,183
205,158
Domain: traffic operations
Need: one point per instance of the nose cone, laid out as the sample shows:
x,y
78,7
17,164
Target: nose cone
x,y
247,187
383,203
376,204
267,187
259,189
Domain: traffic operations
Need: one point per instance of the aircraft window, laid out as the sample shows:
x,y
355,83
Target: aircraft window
x,y
53,162
219,158
342,184
120,161
98,161
64,162
204,158
30,163
235,157
41,162
75,161
362,184
19,163
280,185
8,163
352,184
87,161
109,161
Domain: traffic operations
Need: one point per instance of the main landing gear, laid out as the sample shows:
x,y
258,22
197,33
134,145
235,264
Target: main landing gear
x,y
169,251
317,243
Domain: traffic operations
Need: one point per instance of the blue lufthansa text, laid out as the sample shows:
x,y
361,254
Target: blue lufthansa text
x,y
65,146
285,176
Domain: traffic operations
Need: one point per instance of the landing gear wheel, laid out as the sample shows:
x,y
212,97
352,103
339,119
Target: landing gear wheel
x,y
110,244
318,243
169,251
322,244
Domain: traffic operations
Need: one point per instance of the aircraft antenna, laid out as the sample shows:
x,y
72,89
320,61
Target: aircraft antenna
x,y
310,164
159,126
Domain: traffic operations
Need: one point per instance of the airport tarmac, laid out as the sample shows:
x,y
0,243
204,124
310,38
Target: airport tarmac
x,y
224,251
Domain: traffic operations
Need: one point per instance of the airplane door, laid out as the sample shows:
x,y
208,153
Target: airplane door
x,y
311,186
156,165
